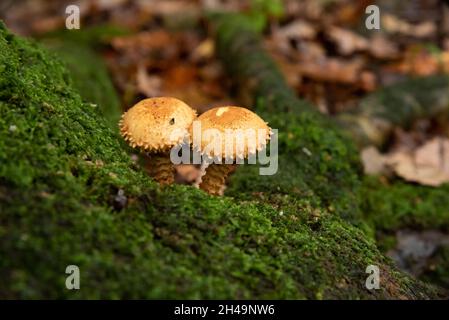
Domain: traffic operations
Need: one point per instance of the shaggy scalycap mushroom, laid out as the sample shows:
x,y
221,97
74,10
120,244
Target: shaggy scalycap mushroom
x,y
223,119
156,125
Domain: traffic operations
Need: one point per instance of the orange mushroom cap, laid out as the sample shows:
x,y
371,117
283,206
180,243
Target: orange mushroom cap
x,y
157,124
240,123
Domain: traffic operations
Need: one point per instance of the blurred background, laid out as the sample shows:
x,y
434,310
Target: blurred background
x,y
323,47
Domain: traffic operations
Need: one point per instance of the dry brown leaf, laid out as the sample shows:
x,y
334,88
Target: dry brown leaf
x,y
166,8
205,50
289,70
143,41
444,59
419,61
428,165
149,85
108,4
382,48
373,161
368,81
211,71
421,64
179,76
347,41
394,24
296,30
47,24
348,13
311,50
407,140
332,70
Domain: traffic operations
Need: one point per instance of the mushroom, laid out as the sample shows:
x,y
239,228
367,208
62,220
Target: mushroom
x,y
227,133
156,125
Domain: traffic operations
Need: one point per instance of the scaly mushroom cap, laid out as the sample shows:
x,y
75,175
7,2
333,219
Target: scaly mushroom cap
x,y
157,124
237,132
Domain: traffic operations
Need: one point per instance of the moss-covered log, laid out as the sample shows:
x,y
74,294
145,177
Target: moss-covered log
x,y
69,194
87,69
90,77
372,122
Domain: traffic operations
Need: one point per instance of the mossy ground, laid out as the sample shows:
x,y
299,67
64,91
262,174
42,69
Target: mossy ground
x,y
61,171
399,205
438,269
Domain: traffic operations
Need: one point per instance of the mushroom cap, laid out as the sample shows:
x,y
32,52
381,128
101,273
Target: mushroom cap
x,y
157,124
238,132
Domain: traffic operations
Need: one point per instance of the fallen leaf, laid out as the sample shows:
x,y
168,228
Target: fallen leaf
x,y
347,12
167,8
373,161
108,4
179,76
296,30
427,165
382,48
149,85
311,50
418,61
394,24
347,41
338,71
143,41
205,50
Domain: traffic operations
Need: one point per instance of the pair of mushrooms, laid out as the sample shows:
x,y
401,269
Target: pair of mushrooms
x,y
156,125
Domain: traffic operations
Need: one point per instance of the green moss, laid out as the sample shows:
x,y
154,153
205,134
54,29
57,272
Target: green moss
x,y
400,205
408,100
90,78
438,268
89,73
397,105
386,241
62,168
314,162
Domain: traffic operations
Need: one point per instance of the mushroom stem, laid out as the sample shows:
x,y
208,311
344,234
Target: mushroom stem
x,y
161,168
214,181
